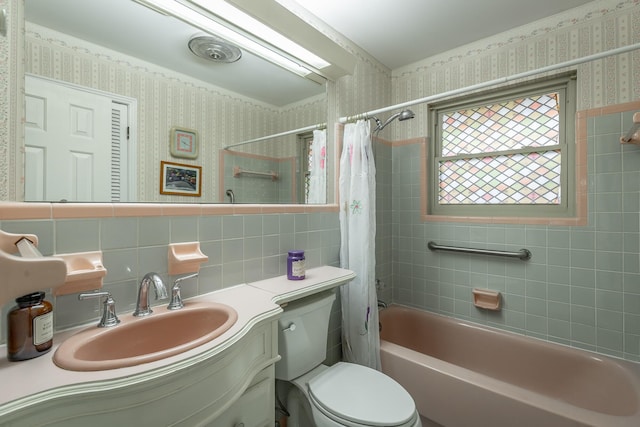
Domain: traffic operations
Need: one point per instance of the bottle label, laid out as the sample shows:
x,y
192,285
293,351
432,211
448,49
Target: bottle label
x,y
42,328
297,268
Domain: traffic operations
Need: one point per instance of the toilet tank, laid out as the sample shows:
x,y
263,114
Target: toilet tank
x,y
302,335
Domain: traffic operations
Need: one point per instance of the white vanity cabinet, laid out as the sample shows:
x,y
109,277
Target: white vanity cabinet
x,y
228,382
233,387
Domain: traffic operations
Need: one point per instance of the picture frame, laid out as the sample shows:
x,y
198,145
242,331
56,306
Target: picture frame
x,y
180,180
183,143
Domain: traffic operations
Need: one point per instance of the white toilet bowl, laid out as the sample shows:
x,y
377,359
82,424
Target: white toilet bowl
x,y
347,394
342,395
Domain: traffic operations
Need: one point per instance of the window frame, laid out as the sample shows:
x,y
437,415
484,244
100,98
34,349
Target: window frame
x,y
565,85
305,140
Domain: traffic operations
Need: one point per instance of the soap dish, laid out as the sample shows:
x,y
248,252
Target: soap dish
x,y
486,298
185,258
85,272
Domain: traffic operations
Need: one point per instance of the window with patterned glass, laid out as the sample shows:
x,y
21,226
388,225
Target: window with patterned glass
x,y
505,152
305,155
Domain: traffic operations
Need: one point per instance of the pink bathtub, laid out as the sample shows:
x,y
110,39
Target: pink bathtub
x,y
463,374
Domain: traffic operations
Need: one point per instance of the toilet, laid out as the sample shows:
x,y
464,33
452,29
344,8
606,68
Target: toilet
x,y
345,394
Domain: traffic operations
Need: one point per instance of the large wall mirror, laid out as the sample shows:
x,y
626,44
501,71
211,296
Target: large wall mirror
x,y
167,114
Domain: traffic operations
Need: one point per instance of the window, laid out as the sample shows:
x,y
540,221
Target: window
x,y
505,153
306,161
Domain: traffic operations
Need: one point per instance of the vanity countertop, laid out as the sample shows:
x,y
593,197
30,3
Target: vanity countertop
x,y
37,379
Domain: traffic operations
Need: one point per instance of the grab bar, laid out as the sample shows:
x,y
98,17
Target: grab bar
x,y
523,254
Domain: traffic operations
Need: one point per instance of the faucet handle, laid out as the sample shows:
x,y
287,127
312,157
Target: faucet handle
x,y
109,316
176,300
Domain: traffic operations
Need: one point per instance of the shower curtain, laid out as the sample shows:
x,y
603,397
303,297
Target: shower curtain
x,y
318,172
360,335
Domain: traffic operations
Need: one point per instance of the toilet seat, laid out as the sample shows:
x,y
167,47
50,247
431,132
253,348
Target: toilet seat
x,y
356,395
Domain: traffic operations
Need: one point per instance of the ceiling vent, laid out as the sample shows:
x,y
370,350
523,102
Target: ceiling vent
x,y
214,49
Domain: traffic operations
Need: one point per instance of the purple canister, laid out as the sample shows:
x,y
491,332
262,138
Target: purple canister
x,y
295,265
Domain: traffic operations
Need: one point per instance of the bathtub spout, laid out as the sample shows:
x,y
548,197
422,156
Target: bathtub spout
x,y
231,196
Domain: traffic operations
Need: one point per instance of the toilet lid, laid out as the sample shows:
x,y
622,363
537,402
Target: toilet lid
x,y
362,395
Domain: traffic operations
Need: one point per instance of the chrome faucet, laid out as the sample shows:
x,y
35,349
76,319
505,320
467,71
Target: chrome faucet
x,y
109,316
142,305
176,300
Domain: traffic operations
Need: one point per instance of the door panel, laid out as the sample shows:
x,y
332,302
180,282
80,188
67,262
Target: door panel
x,y
67,143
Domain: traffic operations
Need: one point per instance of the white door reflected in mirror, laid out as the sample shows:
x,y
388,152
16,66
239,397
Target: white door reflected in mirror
x,y
75,144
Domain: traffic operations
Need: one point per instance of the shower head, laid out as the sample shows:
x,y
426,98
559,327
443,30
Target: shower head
x,y
406,115
401,116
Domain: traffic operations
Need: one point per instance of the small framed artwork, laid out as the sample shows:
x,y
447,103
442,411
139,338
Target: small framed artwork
x,y
183,143
180,180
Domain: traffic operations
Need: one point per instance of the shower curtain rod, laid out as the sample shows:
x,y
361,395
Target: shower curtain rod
x,y
318,126
431,98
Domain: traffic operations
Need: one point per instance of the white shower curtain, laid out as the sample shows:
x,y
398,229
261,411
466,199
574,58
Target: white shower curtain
x,y
361,340
318,171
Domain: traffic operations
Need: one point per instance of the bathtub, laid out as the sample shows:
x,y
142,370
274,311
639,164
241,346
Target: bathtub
x,y
463,374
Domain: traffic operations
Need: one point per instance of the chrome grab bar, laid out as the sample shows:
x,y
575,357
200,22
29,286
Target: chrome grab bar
x,y
523,254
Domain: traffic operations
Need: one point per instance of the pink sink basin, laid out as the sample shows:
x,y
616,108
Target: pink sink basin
x,y
140,340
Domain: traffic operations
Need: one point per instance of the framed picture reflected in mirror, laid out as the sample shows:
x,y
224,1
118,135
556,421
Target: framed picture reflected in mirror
x,y
180,180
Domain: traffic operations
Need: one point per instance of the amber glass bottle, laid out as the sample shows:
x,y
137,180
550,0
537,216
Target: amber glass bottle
x,y
30,327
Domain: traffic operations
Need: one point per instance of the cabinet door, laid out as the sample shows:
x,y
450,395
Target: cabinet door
x,y
253,409
229,388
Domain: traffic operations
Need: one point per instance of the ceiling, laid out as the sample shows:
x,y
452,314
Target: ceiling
x,y
397,33
128,27
400,32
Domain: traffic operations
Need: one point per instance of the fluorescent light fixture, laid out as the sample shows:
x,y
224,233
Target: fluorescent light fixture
x,y
202,16
240,19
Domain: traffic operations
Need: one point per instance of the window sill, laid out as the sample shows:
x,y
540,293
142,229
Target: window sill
x,y
580,220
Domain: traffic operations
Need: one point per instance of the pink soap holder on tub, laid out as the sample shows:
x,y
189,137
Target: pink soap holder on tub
x,y
487,299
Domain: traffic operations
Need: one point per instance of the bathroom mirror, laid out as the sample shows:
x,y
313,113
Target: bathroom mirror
x,y
121,47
